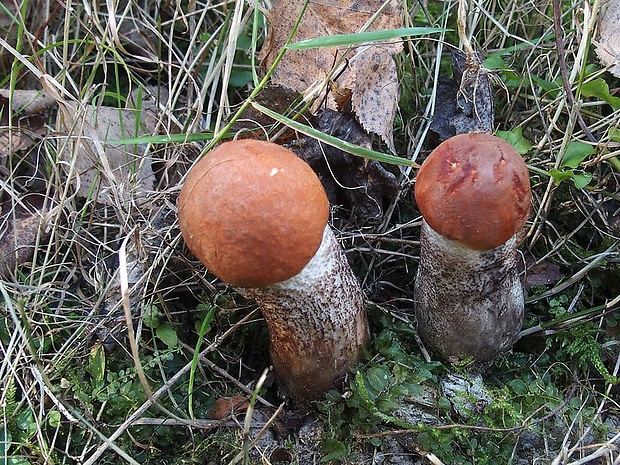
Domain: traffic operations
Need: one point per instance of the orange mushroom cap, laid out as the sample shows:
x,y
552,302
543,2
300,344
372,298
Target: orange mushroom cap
x,y
474,189
253,213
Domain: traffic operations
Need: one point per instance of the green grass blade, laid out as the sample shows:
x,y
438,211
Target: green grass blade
x,y
362,37
334,141
204,329
163,139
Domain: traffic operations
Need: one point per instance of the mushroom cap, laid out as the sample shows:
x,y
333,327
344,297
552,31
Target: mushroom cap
x,y
474,189
252,212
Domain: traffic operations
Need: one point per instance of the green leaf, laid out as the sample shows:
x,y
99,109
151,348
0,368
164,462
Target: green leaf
x,y
444,404
167,334
27,423
494,61
54,418
5,442
378,378
600,89
580,179
613,133
240,77
361,37
17,461
150,316
549,86
333,141
511,79
518,386
560,176
388,405
516,139
96,364
333,449
575,153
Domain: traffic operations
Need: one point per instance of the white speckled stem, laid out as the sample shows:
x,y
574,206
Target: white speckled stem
x,y
317,323
468,303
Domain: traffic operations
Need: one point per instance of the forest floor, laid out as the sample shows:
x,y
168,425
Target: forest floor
x,y
116,345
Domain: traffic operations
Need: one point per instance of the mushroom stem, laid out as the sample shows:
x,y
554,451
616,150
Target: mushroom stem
x,y
317,322
468,303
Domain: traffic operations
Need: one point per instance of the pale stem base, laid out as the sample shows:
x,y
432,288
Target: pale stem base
x,y
317,322
468,304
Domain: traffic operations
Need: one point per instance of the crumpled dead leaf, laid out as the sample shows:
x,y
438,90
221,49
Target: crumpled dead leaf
x,y
368,71
542,274
608,43
19,229
358,184
226,407
608,40
22,207
254,124
464,103
30,111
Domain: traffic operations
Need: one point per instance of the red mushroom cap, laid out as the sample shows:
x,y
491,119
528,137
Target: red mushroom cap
x,y
474,189
253,213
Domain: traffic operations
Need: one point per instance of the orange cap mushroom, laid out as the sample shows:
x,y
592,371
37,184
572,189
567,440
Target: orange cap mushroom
x,y
474,189
256,215
473,192
253,213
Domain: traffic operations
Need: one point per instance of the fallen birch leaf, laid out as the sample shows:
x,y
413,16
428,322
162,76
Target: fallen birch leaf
x,y
375,91
225,407
608,42
368,71
542,274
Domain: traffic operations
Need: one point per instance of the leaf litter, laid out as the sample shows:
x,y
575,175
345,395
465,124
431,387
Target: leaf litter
x,y
367,71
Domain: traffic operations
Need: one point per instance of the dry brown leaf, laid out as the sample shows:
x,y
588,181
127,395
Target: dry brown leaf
x,y
225,407
543,274
19,228
368,71
30,110
608,43
101,169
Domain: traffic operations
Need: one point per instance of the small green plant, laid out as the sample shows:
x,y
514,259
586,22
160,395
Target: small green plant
x,y
375,393
18,429
525,398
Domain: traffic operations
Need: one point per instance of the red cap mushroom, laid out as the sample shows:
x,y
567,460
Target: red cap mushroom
x,y
256,216
474,194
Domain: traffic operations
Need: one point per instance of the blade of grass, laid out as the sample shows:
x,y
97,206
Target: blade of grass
x,y
362,37
163,139
204,328
334,141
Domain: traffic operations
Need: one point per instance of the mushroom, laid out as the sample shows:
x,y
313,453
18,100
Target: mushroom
x,y
473,192
256,216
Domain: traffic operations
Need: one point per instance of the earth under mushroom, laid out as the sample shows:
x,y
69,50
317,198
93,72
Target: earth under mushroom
x,y
256,216
474,195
